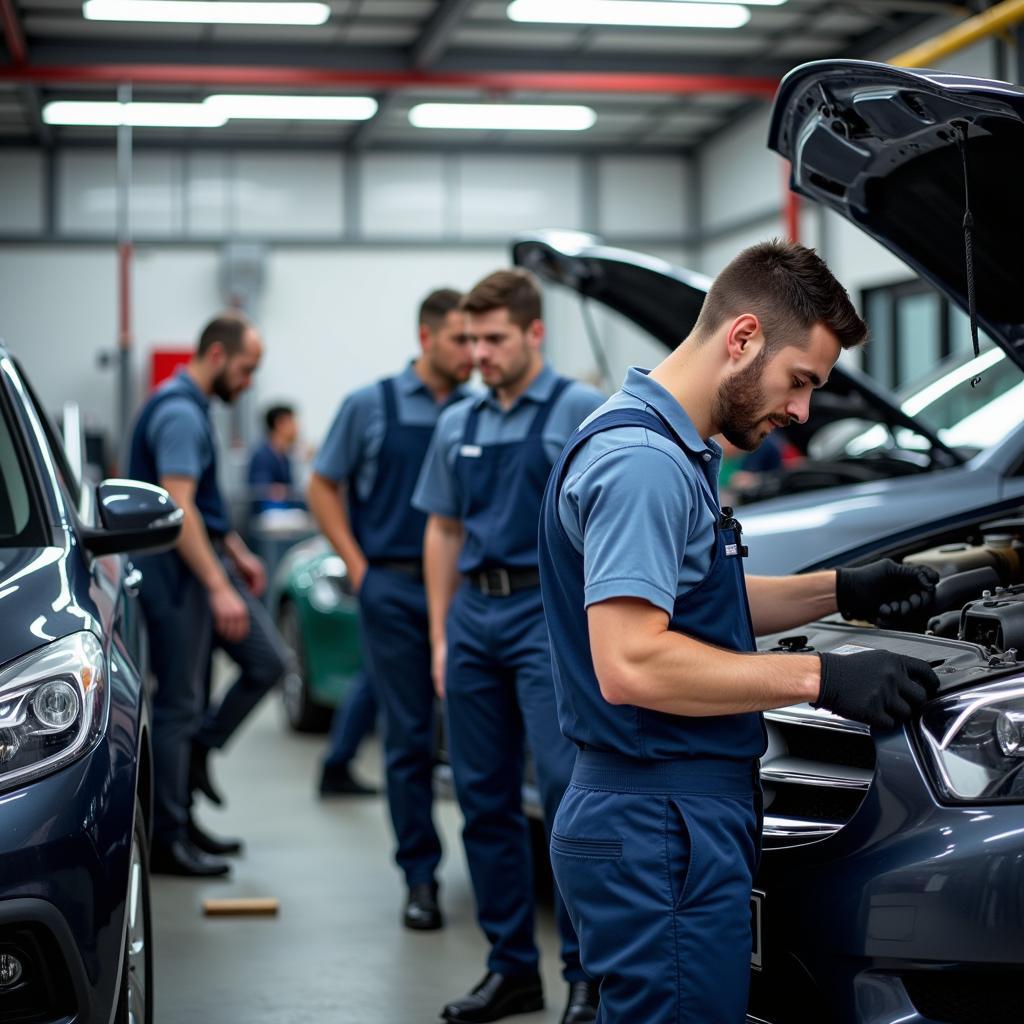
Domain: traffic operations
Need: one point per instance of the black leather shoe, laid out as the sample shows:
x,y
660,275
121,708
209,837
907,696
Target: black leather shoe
x,y
495,997
211,844
583,1002
337,780
199,774
182,858
422,913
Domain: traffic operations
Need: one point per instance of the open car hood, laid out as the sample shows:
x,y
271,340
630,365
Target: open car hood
x,y
665,300
879,145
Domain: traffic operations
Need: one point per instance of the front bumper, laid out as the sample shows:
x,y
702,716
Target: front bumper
x,y
913,912
65,847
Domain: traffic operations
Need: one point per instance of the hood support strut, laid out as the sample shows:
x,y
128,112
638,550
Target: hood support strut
x,y
961,128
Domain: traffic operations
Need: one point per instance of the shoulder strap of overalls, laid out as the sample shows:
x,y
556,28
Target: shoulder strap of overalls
x,y
387,391
543,413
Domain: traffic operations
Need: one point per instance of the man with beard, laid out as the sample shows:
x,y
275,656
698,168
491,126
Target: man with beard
x,y
481,484
205,590
656,841
360,495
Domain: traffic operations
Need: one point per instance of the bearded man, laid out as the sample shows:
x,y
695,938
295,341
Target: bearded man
x,y
657,681
204,592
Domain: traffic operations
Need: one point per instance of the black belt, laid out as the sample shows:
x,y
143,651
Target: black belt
x,y
411,567
500,582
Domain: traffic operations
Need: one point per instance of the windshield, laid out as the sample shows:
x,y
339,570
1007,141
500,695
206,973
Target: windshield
x,y
15,498
967,416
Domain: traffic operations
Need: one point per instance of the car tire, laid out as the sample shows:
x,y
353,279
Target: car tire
x,y
135,1000
304,714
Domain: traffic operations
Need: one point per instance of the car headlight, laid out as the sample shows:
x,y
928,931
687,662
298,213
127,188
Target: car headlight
x,y
331,585
52,707
974,742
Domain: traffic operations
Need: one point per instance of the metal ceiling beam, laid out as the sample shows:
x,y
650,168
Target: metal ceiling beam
x,y
332,78
55,51
17,51
438,32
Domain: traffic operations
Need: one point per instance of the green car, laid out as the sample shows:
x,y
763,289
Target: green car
x,y
317,613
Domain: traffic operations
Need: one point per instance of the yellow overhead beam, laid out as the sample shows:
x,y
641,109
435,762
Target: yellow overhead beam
x,y
981,26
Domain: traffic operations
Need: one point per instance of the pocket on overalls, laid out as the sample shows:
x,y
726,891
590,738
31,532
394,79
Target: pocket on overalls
x,y
679,853
585,848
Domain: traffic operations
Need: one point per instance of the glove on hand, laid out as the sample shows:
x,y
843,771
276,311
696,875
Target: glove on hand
x,y
875,687
886,592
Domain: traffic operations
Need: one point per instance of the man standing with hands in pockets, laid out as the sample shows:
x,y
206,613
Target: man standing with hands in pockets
x,y
360,495
481,484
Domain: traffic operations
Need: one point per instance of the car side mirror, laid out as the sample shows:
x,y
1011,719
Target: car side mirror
x,y
134,516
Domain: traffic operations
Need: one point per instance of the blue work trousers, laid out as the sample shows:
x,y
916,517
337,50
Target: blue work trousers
x,y
657,876
500,696
352,722
180,626
262,659
396,645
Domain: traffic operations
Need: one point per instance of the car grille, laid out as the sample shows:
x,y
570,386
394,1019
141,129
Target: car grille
x,y
965,997
815,774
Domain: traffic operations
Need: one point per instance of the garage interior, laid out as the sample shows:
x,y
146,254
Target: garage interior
x,y
118,241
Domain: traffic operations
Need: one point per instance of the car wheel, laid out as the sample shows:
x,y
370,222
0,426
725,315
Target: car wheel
x,y
303,713
135,1002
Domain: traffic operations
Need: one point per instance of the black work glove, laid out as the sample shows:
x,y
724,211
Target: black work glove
x,y
875,687
886,592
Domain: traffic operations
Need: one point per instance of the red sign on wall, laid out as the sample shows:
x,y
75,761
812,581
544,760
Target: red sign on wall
x,y
164,362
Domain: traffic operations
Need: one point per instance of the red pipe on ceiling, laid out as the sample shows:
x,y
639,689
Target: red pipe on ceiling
x,y
328,78
12,33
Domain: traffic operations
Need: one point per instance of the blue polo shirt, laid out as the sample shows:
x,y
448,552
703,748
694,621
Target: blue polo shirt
x,y
180,433
649,531
437,491
352,448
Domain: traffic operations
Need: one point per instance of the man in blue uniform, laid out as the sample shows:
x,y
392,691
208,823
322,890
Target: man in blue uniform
x,y
206,589
482,484
271,482
657,838
360,495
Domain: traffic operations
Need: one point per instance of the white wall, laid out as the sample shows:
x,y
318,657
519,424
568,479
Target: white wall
x,y
334,316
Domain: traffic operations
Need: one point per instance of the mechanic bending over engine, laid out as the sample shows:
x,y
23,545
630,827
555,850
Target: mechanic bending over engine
x,y
656,842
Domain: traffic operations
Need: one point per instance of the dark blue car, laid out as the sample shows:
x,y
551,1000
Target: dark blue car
x,y
75,764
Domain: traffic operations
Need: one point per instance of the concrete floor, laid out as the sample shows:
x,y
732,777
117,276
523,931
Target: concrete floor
x,y
337,951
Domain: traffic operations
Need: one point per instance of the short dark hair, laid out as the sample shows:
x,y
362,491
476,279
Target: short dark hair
x,y
789,288
436,307
228,329
515,289
275,413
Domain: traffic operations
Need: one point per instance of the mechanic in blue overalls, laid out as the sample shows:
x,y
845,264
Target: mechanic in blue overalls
x,y
482,484
657,839
360,494
204,592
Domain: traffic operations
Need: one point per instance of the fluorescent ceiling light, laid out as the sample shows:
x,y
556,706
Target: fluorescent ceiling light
x,y
138,115
293,108
502,116
225,12
213,112
656,13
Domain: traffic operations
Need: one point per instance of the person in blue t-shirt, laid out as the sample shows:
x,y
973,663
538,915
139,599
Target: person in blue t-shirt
x,y
203,593
658,681
271,481
481,485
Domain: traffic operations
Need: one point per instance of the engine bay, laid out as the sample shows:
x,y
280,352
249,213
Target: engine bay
x,y
976,624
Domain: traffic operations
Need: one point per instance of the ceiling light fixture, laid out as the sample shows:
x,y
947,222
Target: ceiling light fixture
x,y
213,112
503,116
138,115
204,12
293,108
652,13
